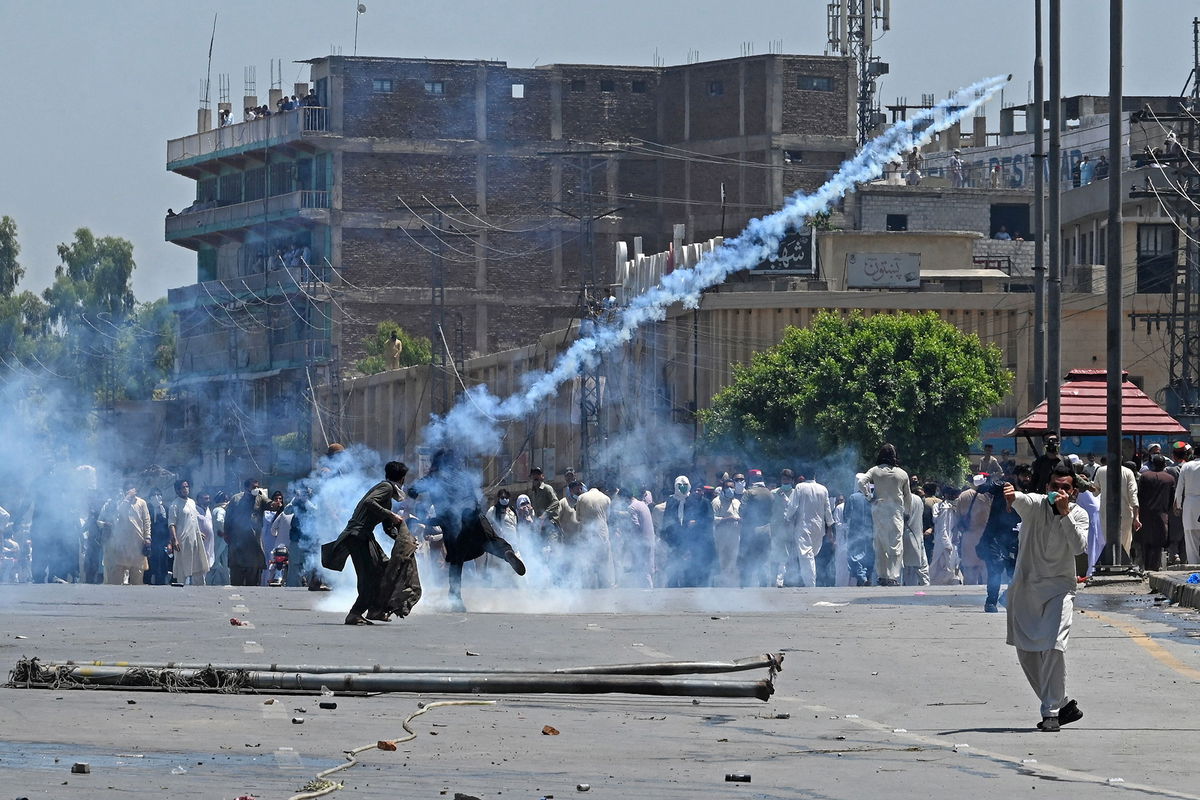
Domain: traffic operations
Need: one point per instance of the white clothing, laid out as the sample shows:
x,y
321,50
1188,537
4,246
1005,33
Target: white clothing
x,y
841,536
726,536
943,570
890,498
1046,671
129,534
208,535
916,563
808,513
191,560
591,509
1129,502
1042,593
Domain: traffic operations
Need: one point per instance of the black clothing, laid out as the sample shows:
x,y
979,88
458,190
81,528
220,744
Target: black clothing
x,y
692,550
1043,465
400,585
357,542
754,546
243,531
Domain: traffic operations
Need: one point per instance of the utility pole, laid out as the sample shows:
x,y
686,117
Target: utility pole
x,y
439,365
850,32
1039,219
1054,293
1114,554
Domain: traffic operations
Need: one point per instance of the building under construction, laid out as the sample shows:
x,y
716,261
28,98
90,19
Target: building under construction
x,y
470,202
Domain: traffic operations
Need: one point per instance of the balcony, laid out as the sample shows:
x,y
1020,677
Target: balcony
x,y
192,227
242,136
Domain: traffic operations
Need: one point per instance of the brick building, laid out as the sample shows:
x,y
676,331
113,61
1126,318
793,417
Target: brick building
x,y
312,226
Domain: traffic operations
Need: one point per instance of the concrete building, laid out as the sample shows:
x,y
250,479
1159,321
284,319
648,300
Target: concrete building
x,y
463,192
471,179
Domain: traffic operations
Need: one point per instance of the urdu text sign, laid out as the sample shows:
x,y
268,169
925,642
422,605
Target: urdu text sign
x,y
883,270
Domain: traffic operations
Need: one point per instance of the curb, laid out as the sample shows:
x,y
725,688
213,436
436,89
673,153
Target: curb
x,y
1174,586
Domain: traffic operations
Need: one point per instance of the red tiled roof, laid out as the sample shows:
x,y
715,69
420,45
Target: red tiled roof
x,y
1084,409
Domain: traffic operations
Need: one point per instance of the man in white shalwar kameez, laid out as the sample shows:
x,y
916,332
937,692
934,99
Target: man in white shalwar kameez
x,y
890,498
183,520
916,562
811,519
1041,596
1187,503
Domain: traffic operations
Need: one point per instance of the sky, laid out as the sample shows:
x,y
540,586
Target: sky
x,y
95,88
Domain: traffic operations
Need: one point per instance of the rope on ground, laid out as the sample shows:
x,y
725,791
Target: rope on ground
x,y
320,785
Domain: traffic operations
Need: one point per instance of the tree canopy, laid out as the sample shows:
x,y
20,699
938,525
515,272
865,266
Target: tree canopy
x,y
857,382
416,349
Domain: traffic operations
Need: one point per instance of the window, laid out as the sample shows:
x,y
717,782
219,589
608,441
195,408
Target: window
x,y
638,87
435,87
578,85
815,83
715,88
608,85
1155,258
793,156
518,91
381,85
897,222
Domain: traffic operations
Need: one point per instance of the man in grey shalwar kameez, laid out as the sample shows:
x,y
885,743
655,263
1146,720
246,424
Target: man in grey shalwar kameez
x,y
1041,595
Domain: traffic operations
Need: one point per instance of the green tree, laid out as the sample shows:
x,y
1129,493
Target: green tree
x,y
417,349
857,382
10,269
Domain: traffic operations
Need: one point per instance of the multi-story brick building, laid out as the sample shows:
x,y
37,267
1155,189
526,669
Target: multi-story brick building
x,y
506,186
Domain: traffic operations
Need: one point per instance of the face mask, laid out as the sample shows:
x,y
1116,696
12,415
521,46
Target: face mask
x,y
503,501
682,488
727,492
739,486
788,484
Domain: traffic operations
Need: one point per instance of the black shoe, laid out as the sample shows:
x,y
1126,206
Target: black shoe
x,y
357,620
515,562
1049,725
1069,713
379,616
991,608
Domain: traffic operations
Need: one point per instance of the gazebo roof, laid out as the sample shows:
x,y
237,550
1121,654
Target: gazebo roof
x,y
1084,410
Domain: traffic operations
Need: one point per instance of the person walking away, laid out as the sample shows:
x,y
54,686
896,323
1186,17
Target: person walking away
x,y
128,539
972,511
1128,501
1181,453
598,567
183,522
811,519
780,527
1187,504
1156,488
915,571
1042,594
997,548
204,519
860,535
889,502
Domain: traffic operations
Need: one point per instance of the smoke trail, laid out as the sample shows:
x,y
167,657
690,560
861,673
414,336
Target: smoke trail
x,y
470,426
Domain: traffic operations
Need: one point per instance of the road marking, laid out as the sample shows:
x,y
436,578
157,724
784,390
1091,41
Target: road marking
x,y
1021,763
1143,640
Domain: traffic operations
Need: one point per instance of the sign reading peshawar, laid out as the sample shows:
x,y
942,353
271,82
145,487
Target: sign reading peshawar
x,y
883,270
796,255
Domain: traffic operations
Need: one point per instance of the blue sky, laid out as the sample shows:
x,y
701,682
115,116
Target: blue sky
x,y
95,89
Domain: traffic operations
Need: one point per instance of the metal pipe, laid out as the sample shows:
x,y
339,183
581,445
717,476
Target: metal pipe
x,y
209,680
1039,210
1112,285
772,661
1054,223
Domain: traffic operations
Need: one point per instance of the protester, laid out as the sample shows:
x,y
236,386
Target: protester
x,y
890,499
811,519
128,539
183,521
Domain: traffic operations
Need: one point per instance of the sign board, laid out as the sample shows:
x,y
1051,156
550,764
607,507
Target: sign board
x,y
883,270
797,255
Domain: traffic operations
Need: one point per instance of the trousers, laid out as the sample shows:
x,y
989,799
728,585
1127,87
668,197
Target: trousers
x,y
888,519
1046,671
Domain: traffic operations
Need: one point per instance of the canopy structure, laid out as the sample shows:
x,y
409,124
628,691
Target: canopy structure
x,y
1084,410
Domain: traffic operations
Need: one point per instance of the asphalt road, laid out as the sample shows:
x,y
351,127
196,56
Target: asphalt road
x,y
898,693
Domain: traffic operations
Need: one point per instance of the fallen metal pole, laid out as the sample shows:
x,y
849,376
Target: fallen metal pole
x,y
772,661
233,681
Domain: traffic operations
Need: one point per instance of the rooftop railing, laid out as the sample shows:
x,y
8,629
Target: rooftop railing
x,y
285,124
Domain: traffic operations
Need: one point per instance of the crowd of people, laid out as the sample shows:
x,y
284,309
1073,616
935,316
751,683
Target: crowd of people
x,y
284,103
737,531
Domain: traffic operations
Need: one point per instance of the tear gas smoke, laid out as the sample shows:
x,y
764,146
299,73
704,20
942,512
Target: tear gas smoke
x,y
470,428
473,427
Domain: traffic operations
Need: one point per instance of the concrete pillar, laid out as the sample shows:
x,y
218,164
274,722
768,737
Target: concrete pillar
x,y
249,101
203,120
979,132
274,97
1007,125
481,129
300,89
556,92
953,134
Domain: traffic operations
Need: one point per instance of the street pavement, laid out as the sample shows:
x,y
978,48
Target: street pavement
x,y
885,692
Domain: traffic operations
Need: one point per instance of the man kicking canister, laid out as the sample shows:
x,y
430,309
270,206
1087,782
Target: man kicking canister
x,y
1041,596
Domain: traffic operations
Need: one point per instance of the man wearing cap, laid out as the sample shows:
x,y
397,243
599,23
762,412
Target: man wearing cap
x,y
956,170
